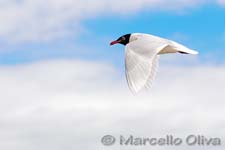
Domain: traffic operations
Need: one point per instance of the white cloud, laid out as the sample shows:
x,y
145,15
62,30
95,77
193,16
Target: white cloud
x,y
72,104
35,20
221,2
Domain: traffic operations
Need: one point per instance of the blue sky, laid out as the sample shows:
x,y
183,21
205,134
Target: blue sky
x,y
201,28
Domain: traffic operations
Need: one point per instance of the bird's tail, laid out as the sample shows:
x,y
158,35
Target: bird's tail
x,y
182,49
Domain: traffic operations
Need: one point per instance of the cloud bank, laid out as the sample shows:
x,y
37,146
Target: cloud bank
x,y
44,20
65,104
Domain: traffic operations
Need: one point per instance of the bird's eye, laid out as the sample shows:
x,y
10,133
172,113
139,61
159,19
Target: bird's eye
x,y
123,38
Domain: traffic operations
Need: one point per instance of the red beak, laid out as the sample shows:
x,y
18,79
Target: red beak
x,y
114,42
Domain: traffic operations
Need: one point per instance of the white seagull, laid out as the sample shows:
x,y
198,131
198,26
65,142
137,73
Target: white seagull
x,y
142,55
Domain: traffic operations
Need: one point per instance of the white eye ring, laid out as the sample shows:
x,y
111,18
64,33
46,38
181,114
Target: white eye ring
x,y
123,38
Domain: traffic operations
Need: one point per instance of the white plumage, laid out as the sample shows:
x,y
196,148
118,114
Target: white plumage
x,y
142,55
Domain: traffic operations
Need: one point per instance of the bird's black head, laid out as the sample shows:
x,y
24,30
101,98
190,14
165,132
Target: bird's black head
x,y
124,40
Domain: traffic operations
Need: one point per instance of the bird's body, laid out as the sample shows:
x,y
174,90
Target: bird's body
x,y
142,55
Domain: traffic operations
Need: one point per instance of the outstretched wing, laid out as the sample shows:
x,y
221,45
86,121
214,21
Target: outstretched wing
x,y
141,63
